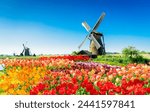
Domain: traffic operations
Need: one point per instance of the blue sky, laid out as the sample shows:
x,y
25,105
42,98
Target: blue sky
x,y
54,26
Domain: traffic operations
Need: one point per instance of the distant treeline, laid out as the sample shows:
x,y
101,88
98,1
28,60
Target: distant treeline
x,y
141,52
144,52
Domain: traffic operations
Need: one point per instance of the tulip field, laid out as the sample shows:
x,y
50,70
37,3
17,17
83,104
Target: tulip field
x,y
72,75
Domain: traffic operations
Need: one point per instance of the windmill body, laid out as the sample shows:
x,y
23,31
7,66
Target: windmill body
x,y
100,49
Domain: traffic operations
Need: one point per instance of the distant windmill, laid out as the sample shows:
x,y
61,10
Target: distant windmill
x,y
97,45
26,51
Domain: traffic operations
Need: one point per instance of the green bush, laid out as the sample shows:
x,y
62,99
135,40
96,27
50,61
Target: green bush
x,y
74,53
133,55
130,52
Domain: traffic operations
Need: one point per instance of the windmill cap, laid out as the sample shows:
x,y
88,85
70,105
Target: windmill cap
x,y
97,33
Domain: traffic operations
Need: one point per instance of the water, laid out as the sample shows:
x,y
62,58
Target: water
x,y
1,66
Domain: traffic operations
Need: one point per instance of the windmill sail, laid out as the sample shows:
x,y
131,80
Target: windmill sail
x,y
97,45
99,21
86,26
83,42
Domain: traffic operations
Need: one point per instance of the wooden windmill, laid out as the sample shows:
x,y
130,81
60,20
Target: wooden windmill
x,y
97,45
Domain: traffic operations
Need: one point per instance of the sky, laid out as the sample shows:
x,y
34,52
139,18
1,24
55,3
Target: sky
x,y
54,26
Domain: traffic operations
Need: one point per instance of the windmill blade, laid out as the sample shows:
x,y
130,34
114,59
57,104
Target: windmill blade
x,y
83,42
24,46
22,51
99,21
95,41
103,44
86,26
103,41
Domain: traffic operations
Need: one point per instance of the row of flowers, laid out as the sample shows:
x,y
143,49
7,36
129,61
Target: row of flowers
x,y
61,75
69,57
95,79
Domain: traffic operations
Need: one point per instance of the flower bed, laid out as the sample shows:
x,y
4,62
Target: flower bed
x,y
64,76
69,57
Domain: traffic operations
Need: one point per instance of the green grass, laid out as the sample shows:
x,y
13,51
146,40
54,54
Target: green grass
x,y
1,91
119,60
146,55
18,57
112,60
23,57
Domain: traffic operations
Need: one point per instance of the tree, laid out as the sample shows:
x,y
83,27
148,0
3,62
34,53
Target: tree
x,y
130,52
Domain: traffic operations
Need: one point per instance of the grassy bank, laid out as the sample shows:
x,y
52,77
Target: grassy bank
x,y
111,59
119,60
18,57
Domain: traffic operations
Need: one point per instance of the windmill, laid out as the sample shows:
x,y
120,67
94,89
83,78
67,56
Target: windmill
x,y
26,51
97,45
